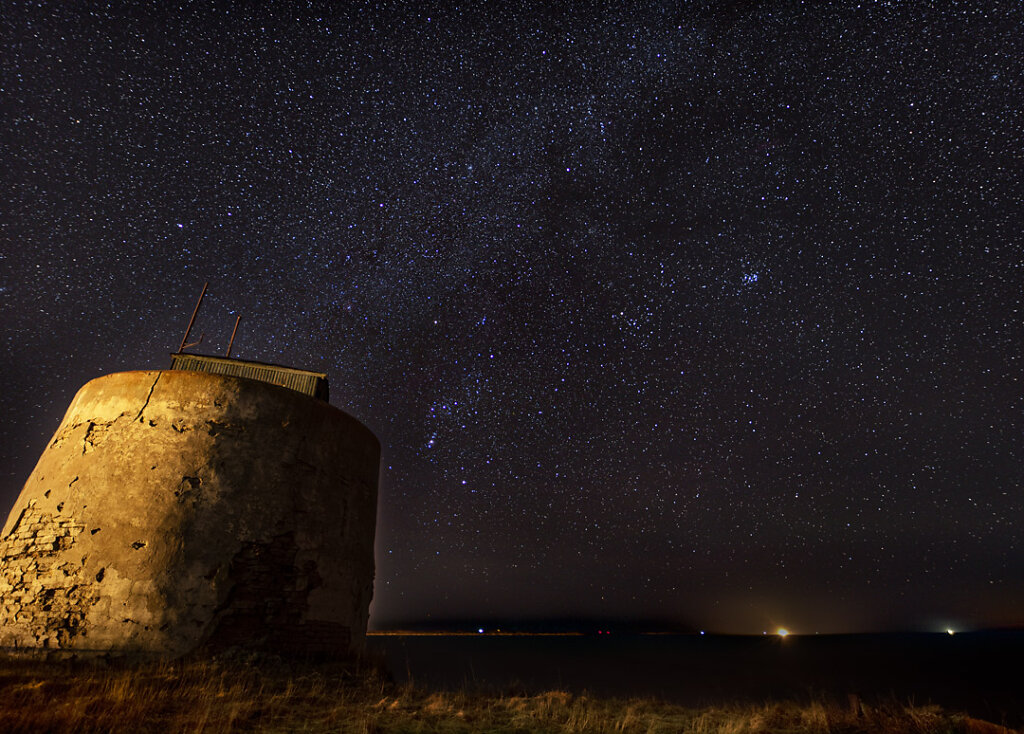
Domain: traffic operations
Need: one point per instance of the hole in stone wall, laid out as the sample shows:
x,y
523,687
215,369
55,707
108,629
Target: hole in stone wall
x,y
60,506
94,531
46,494
139,544
100,574
188,484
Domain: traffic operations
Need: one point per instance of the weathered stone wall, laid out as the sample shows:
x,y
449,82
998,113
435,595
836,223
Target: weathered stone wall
x,y
44,596
174,511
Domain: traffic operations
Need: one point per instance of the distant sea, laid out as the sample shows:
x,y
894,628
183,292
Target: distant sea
x,y
981,673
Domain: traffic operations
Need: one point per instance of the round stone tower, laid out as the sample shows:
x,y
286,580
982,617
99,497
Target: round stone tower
x,y
179,511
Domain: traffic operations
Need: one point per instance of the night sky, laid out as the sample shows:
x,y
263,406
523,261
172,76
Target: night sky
x,y
709,313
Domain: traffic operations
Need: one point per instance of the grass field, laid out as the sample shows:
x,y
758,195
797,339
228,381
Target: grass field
x,y
268,695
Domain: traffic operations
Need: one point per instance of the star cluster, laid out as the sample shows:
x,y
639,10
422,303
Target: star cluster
x,y
660,310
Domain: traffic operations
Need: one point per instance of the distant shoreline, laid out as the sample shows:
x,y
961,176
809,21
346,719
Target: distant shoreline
x,y
415,633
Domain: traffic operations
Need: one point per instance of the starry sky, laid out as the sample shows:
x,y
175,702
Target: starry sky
x,y
704,312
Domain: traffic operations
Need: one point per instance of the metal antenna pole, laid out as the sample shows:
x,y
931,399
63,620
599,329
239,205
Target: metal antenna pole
x,y
237,319
193,319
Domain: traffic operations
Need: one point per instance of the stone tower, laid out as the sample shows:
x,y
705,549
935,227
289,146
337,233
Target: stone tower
x,y
178,511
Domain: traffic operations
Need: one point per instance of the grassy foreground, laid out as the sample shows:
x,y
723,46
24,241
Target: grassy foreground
x,y
270,696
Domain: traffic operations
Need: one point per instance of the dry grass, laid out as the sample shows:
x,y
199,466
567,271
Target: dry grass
x,y
271,696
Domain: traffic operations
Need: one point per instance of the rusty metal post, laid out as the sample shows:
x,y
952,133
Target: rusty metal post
x,y
237,319
193,319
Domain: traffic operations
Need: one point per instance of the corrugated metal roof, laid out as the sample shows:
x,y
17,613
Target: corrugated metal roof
x,y
309,383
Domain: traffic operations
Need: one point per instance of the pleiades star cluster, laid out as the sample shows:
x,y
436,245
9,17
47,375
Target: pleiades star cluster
x,y
702,312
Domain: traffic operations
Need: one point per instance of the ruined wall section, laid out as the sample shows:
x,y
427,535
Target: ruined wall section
x,y
45,594
174,511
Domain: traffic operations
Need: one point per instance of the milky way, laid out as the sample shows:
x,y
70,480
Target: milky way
x,y
711,316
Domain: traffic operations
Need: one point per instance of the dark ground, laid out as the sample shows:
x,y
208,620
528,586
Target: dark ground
x,y
979,673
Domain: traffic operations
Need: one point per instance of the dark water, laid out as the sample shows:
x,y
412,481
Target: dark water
x,y
980,673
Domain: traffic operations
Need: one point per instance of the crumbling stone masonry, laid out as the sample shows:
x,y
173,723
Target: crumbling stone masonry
x,y
44,596
180,511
